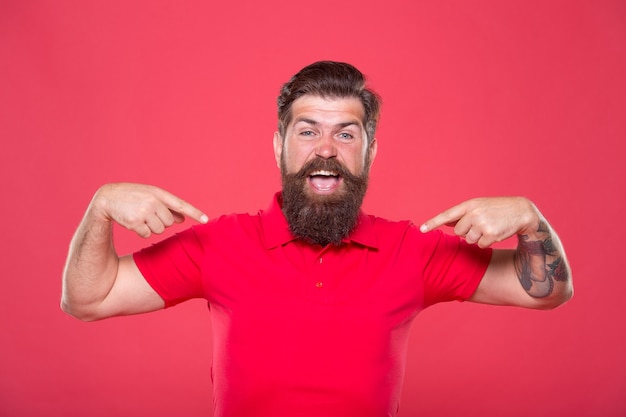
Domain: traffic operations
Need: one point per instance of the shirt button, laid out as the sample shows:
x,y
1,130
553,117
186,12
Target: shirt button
x,y
319,284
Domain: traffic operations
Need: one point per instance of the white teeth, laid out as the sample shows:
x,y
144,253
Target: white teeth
x,y
325,173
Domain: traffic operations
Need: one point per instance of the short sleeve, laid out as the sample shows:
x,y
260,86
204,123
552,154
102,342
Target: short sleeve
x,y
172,267
454,269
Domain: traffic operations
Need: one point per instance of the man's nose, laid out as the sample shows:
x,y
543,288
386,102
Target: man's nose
x,y
326,147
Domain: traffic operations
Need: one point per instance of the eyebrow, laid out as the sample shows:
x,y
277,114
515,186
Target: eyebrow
x,y
316,123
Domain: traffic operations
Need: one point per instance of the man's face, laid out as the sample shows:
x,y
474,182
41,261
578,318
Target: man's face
x,y
329,129
324,160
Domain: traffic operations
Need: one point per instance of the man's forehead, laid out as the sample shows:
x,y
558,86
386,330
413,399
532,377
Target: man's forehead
x,y
309,108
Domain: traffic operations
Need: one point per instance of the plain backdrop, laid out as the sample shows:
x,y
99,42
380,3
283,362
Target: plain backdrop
x,y
480,98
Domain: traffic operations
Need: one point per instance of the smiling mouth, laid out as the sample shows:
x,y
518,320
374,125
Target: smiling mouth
x,y
324,181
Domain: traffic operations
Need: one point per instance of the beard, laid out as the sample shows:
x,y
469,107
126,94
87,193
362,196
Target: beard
x,y
322,219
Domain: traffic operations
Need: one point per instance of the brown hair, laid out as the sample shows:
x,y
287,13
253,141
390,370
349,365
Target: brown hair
x,y
329,79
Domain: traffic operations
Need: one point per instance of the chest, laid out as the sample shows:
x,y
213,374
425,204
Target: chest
x,y
331,275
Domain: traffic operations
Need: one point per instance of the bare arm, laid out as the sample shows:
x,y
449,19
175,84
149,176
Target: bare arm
x,y
536,274
96,282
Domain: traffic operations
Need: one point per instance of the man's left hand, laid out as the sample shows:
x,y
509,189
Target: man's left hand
x,y
485,221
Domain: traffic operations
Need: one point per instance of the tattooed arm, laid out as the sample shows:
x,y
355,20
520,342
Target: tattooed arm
x,y
539,263
536,274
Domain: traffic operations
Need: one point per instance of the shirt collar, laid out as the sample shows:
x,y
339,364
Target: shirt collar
x,y
276,229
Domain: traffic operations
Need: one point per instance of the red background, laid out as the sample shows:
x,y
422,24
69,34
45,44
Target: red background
x,y
480,98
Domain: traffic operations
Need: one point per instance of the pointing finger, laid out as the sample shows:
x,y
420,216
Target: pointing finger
x,y
448,217
180,207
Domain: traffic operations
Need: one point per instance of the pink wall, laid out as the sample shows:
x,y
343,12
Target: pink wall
x,y
480,98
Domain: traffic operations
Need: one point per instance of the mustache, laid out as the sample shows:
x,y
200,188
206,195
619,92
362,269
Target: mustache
x,y
321,164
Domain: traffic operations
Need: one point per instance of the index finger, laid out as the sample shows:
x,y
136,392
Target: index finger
x,y
179,206
447,217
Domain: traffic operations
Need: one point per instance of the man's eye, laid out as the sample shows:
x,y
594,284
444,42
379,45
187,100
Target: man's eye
x,y
345,135
307,133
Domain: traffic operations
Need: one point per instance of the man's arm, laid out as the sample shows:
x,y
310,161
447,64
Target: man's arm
x,y
535,275
96,282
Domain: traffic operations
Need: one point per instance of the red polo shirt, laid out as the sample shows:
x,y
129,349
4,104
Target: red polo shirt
x,y
301,330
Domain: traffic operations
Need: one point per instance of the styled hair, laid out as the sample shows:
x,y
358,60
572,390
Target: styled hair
x,y
329,79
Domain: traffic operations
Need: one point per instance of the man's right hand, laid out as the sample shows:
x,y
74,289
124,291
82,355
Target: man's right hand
x,y
144,209
97,283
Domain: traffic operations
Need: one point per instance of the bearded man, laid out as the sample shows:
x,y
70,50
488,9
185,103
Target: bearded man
x,y
311,300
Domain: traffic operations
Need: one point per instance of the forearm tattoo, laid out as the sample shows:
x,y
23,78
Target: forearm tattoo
x,y
539,263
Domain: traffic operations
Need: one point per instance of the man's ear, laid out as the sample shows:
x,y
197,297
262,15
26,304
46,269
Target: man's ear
x,y
278,148
372,149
